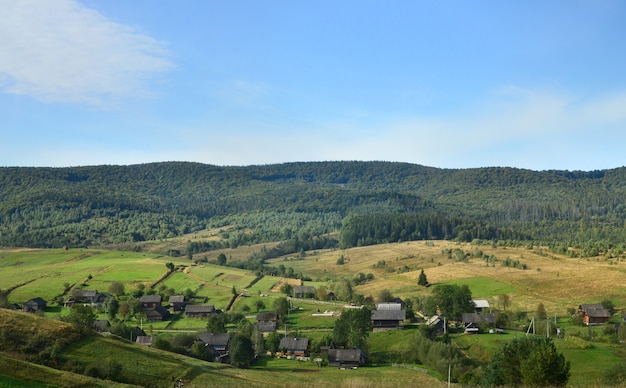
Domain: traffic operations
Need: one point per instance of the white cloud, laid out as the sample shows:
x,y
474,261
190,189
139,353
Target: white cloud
x,y
62,51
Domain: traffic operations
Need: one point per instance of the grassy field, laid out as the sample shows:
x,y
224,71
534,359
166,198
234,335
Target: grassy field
x,y
559,282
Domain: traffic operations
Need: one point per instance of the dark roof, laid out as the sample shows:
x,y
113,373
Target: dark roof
x,y
38,301
150,299
291,343
303,289
177,299
199,308
345,355
266,316
388,315
595,310
267,327
214,339
102,325
478,318
160,310
87,293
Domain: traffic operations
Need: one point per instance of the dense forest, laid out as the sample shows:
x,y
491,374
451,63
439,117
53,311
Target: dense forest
x,y
368,202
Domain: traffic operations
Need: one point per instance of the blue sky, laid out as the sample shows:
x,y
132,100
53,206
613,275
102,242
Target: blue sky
x,y
453,84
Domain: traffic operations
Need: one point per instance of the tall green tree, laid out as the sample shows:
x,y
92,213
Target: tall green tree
x,y
422,280
280,306
216,324
528,361
82,318
451,300
353,327
241,351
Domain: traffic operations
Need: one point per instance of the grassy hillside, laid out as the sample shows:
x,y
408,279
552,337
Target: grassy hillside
x,y
560,282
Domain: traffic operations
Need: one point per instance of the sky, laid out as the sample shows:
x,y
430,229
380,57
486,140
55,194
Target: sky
x,y
452,84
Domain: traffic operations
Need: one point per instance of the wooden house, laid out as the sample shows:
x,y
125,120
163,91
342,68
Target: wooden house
x,y
594,314
387,319
102,326
217,345
267,322
199,311
157,314
304,291
481,305
145,340
34,305
177,303
438,324
150,302
291,346
346,358
474,321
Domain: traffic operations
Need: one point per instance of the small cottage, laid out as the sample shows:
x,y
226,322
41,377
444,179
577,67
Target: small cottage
x,y
34,305
267,322
150,302
177,303
199,311
346,358
145,340
291,346
473,321
387,319
157,314
217,345
304,291
594,314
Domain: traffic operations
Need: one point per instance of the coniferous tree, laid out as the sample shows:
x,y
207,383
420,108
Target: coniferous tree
x,y
422,280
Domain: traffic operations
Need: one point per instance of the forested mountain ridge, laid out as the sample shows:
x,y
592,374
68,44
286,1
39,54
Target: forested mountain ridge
x,y
79,206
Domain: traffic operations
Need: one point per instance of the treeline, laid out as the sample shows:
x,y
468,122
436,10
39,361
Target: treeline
x,y
369,229
97,205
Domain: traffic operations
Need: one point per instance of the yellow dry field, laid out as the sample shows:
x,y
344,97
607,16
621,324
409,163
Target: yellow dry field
x,y
556,281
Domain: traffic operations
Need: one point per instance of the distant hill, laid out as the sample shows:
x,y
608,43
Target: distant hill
x,y
97,205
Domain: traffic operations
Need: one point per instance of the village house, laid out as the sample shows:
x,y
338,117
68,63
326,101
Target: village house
x,y
346,358
199,311
34,305
177,303
481,305
102,326
290,346
145,340
87,297
474,321
388,316
437,323
304,291
159,313
149,302
217,345
594,314
267,322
